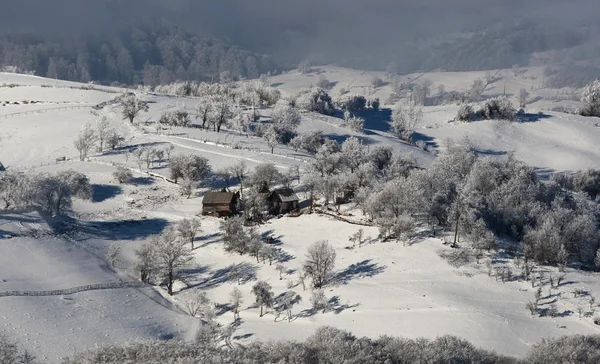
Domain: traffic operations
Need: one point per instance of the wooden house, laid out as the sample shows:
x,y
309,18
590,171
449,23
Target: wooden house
x,y
219,204
283,200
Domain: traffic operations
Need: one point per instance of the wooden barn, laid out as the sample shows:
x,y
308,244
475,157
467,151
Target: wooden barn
x,y
219,203
283,200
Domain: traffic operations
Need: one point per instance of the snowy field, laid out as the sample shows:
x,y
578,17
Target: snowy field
x,y
380,288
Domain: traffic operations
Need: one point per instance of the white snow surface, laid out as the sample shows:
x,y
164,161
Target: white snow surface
x,y
382,288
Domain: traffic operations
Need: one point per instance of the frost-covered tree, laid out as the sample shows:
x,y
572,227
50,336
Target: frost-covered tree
x,y
85,141
172,255
353,153
500,108
318,301
11,353
176,116
235,300
114,254
15,188
270,136
132,106
188,229
323,82
221,111
240,171
377,82
204,109
304,67
315,99
145,262
103,131
309,142
523,97
353,104
53,193
264,295
477,89
355,123
192,167
320,262
465,113
287,301
114,139
234,236
590,99
285,120
193,300
264,176
405,119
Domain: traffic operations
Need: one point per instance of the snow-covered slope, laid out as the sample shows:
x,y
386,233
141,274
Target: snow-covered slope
x,y
381,288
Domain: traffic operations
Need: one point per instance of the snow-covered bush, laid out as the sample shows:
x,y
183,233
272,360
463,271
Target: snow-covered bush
x,y
465,113
177,116
315,99
498,108
591,99
377,82
191,167
405,119
123,174
309,142
355,103
323,82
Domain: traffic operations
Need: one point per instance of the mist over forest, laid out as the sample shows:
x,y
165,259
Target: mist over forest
x,y
152,41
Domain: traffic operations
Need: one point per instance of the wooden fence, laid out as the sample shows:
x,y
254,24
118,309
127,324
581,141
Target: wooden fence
x,y
68,291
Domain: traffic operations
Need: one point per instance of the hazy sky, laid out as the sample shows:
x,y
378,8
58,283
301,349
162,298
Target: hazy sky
x,y
293,26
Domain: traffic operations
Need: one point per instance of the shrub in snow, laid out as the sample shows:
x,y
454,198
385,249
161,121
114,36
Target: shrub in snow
x,y
310,141
591,99
465,113
315,99
375,104
376,82
323,82
191,167
123,174
405,119
176,117
498,108
354,103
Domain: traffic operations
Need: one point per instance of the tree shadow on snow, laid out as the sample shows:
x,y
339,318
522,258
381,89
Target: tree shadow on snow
x,y
247,273
142,181
102,193
107,230
364,269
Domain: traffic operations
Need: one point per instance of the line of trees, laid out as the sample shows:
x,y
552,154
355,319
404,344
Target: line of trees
x,y
152,53
332,345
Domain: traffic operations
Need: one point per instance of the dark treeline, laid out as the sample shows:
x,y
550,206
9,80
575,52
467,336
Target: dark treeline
x,y
150,53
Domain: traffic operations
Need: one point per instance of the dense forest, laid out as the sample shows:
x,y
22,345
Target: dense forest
x,y
150,53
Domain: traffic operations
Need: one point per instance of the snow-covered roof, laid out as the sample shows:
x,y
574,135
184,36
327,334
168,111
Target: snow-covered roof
x,y
286,195
218,198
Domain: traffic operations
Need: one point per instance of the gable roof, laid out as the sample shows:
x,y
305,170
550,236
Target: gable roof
x,y
218,198
286,195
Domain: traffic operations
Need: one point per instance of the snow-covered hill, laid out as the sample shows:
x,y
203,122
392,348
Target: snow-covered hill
x,y
380,288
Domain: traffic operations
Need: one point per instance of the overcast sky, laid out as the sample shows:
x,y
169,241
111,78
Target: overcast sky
x,y
289,26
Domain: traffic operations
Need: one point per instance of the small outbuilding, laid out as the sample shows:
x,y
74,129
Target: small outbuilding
x,y
219,204
283,200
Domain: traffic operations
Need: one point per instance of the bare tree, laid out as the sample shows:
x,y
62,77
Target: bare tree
x,y
85,141
132,106
171,256
318,300
320,262
280,268
188,229
103,131
114,139
523,97
169,150
193,300
114,254
287,302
